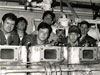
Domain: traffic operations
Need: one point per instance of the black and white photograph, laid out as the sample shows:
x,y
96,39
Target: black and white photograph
x,y
49,37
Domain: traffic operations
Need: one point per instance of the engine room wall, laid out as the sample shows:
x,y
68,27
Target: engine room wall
x,y
36,14
31,15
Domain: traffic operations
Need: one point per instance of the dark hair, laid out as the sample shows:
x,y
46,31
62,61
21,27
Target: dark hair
x,y
21,19
9,16
85,22
75,29
44,25
49,13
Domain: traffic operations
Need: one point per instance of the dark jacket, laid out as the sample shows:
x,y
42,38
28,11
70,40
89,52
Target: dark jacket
x,y
89,41
12,40
25,34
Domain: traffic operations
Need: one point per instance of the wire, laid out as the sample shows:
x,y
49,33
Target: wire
x,y
45,69
60,69
61,6
92,6
55,69
50,68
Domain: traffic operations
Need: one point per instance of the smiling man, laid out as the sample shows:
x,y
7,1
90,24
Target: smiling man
x,y
74,34
7,35
41,38
86,40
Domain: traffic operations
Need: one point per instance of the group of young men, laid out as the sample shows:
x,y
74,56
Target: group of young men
x,y
13,32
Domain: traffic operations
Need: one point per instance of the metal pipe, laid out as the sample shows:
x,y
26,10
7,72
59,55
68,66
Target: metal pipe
x,y
21,8
72,10
53,70
61,6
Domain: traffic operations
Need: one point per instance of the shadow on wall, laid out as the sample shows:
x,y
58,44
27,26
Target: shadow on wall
x,y
0,25
94,33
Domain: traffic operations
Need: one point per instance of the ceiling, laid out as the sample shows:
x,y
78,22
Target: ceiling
x,y
91,7
89,4
79,3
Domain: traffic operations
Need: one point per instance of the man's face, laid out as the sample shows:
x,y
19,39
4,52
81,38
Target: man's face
x,y
48,19
8,25
21,25
84,29
73,37
43,34
61,34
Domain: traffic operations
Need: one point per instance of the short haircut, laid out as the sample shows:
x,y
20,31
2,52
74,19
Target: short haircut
x,y
74,29
85,22
22,19
9,16
44,25
49,13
